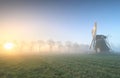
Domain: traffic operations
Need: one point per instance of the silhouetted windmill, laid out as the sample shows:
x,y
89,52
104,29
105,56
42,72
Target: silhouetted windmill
x,y
99,42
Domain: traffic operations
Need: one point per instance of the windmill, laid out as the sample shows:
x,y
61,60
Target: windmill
x,y
99,42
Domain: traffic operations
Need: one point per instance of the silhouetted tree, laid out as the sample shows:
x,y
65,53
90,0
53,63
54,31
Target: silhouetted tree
x,y
68,45
22,44
60,46
16,45
40,44
32,45
76,47
51,43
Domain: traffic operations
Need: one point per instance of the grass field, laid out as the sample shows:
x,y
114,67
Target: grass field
x,y
60,66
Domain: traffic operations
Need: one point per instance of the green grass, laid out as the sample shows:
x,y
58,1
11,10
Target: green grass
x,y
60,66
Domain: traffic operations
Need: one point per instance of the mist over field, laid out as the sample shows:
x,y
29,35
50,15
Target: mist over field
x,y
58,20
47,47
59,39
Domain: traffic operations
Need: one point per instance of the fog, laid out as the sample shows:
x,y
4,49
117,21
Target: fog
x,y
48,47
59,21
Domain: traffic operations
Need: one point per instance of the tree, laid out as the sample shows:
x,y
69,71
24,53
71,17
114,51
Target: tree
x,y
68,45
51,43
16,45
40,44
60,46
22,45
32,45
76,47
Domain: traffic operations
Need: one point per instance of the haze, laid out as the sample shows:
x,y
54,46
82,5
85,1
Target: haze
x,y
59,20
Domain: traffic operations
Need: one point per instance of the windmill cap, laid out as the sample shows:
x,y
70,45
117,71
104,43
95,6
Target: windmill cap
x,y
100,37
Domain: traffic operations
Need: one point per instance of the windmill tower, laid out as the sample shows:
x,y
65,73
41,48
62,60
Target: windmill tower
x,y
99,42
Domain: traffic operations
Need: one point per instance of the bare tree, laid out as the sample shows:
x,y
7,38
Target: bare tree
x,y
32,45
60,46
76,47
16,45
40,44
22,45
51,43
68,45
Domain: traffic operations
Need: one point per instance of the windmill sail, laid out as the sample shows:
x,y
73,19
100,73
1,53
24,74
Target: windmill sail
x,y
94,30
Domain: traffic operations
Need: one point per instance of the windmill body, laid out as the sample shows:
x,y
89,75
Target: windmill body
x,y
101,45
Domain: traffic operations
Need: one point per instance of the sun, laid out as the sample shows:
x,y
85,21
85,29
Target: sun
x,y
8,45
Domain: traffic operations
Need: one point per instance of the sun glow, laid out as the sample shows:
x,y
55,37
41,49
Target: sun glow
x,y
8,45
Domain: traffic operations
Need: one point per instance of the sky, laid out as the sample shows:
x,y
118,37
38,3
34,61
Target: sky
x,y
59,20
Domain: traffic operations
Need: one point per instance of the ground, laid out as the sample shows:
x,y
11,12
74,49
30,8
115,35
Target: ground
x,y
60,66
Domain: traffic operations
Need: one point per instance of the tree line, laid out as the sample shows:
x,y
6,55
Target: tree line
x,y
50,46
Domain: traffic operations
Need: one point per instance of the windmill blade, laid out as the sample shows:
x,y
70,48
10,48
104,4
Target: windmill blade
x,y
108,44
91,43
94,31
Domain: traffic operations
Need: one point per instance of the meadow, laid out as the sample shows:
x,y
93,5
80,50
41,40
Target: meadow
x,y
60,66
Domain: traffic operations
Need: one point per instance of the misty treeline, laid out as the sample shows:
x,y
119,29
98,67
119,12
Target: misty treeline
x,y
50,46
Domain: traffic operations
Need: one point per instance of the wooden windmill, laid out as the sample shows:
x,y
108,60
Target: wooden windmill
x,y
99,42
